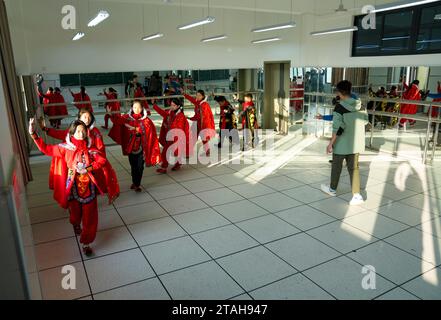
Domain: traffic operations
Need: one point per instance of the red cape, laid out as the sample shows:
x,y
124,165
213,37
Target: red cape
x,y
412,93
60,110
105,177
125,137
113,106
179,121
77,98
204,117
68,154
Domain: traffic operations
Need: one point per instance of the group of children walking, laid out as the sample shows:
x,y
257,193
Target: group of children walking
x,y
80,170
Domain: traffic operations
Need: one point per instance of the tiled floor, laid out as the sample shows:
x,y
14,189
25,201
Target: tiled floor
x,y
251,231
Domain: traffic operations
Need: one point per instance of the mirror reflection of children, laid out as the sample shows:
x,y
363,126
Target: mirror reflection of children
x,y
174,119
227,121
203,116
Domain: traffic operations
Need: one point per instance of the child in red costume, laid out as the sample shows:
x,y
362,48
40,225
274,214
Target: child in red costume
x,y
59,111
204,119
111,107
174,119
140,94
106,176
249,122
136,134
80,99
81,187
410,93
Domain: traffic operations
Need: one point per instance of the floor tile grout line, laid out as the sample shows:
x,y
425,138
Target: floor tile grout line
x,y
84,266
333,217
214,260
128,284
143,254
389,291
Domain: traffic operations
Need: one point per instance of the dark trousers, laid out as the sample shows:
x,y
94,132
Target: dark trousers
x,y
233,136
137,167
353,169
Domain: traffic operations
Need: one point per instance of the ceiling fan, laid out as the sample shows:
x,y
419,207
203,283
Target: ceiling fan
x,y
341,9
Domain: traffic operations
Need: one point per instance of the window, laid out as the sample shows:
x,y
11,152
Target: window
x,y
415,30
396,32
429,35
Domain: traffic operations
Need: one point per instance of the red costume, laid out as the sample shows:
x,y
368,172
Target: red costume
x,y
249,116
410,93
60,110
143,136
54,111
78,194
140,94
173,120
112,107
46,100
80,97
296,96
106,176
205,121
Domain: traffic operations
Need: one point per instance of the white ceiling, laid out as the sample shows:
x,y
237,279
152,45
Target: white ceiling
x,y
41,45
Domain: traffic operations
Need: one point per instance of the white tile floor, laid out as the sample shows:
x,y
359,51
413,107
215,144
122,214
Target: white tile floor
x,y
259,231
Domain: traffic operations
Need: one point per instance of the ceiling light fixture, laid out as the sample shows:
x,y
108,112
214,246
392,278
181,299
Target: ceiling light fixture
x,y
266,40
100,17
78,36
197,23
152,36
275,27
336,30
215,38
400,5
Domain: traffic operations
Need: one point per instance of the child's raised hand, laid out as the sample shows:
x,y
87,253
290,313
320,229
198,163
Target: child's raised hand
x,y
31,128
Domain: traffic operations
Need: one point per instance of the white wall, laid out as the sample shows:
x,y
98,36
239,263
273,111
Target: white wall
x,y
42,46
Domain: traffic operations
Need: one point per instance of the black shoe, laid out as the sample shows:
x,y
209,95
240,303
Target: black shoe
x,y
87,250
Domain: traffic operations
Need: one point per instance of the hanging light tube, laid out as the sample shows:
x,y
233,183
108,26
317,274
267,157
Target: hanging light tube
x,y
266,40
78,36
152,36
100,17
332,31
197,23
275,27
215,38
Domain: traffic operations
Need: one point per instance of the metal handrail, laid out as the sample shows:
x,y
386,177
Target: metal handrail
x,y
141,99
398,115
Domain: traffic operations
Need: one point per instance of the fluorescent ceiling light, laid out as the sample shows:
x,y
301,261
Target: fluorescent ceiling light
x,y
396,38
265,40
214,38
275,27
78,36
336,30
400,5
197,23
153,36
100,17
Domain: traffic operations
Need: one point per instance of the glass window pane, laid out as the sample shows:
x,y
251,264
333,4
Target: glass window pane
x,y
397,28
368,41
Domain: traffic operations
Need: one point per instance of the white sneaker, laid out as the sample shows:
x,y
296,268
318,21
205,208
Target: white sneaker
x,y
357,199
327,189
